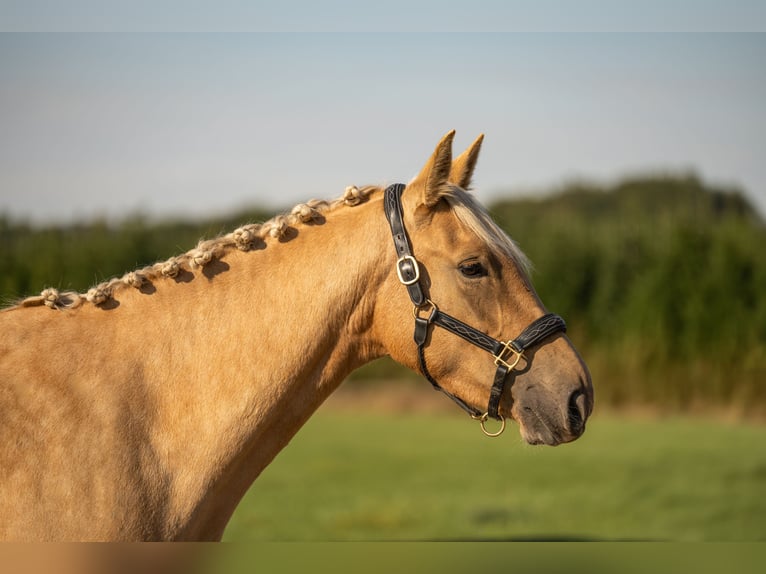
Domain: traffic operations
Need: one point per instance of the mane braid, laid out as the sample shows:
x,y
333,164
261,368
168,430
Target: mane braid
x,y
243,238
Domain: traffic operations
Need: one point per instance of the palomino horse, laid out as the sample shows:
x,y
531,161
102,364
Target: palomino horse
x,y
145,408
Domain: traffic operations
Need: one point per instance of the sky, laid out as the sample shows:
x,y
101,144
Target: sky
x,y
195,124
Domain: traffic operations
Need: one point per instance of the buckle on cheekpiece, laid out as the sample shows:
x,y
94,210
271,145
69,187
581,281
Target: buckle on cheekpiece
x,y
510,361
402,269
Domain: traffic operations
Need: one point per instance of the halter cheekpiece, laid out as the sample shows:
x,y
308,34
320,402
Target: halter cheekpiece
x,y
506,354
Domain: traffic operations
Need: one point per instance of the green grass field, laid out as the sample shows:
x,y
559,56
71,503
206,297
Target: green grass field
x,y
372,476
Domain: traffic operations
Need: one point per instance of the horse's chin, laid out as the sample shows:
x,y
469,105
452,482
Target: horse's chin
x,y
540,437
537,429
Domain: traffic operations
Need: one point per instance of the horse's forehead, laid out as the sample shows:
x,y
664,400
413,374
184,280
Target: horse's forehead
x,y
448,228
459,229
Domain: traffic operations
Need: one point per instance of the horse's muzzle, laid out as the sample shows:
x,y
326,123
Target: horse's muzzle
x,y
542,422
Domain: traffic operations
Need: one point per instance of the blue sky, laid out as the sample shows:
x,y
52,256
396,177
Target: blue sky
x,y
192,124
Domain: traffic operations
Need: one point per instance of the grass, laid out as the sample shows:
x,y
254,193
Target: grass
x,y
432,476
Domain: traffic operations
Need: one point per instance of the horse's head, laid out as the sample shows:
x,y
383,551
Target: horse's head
x,y
470,290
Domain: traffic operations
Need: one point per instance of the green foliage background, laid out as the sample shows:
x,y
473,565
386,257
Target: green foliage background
x,y
661,280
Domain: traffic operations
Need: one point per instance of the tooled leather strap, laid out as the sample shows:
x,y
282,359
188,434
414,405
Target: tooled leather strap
x,y
406,265
538,330
535,333
468,333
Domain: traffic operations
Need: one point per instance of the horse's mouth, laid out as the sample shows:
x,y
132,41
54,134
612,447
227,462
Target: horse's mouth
x,y
542,438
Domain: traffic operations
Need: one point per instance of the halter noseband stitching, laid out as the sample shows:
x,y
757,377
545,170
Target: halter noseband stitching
x,y
506,354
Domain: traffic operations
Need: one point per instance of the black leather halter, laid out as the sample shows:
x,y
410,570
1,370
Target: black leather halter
x,y
506,355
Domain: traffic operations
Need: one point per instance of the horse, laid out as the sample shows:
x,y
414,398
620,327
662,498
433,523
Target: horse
x,y
145,408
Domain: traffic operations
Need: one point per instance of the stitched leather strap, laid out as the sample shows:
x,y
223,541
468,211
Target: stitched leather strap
x,y
535,333
473,336
496,392
538,330
407,266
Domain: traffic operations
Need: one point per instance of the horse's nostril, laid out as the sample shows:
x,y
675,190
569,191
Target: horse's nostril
x,y
577,412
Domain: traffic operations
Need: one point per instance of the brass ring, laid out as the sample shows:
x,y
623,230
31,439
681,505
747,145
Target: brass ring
x,y
483,420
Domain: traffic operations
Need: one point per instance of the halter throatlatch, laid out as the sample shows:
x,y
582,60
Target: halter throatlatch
x,y
506,354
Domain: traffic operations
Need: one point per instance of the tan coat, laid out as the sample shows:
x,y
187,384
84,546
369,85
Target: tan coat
x,y
144,409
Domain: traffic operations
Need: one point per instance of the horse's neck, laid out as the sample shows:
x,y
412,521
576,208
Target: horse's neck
x,y
247,351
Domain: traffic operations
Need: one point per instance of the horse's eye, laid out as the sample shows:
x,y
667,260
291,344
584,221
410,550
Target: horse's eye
x,y
473,269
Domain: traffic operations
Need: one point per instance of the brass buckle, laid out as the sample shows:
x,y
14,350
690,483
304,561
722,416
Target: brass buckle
x,y
507,348
414,262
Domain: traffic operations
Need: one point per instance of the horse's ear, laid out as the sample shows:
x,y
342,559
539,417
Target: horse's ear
x,y
435,174
464,164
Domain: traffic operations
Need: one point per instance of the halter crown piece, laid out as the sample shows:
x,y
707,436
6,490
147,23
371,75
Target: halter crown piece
x,y
506,354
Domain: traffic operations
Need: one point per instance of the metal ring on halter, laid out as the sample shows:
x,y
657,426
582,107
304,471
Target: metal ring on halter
x,y
483,419
416,309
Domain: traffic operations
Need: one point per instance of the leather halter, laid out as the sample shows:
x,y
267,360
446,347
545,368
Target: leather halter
x,y
506,354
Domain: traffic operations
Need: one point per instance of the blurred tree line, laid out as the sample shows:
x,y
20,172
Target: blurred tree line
x,y
661,280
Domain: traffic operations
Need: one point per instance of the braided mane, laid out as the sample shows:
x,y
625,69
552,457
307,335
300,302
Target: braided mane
x,y
253,235
243,238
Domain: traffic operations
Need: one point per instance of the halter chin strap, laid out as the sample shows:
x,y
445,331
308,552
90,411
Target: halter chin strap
x,y
506,354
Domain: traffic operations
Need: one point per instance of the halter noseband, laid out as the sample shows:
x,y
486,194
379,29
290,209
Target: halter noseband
x,y
506,354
